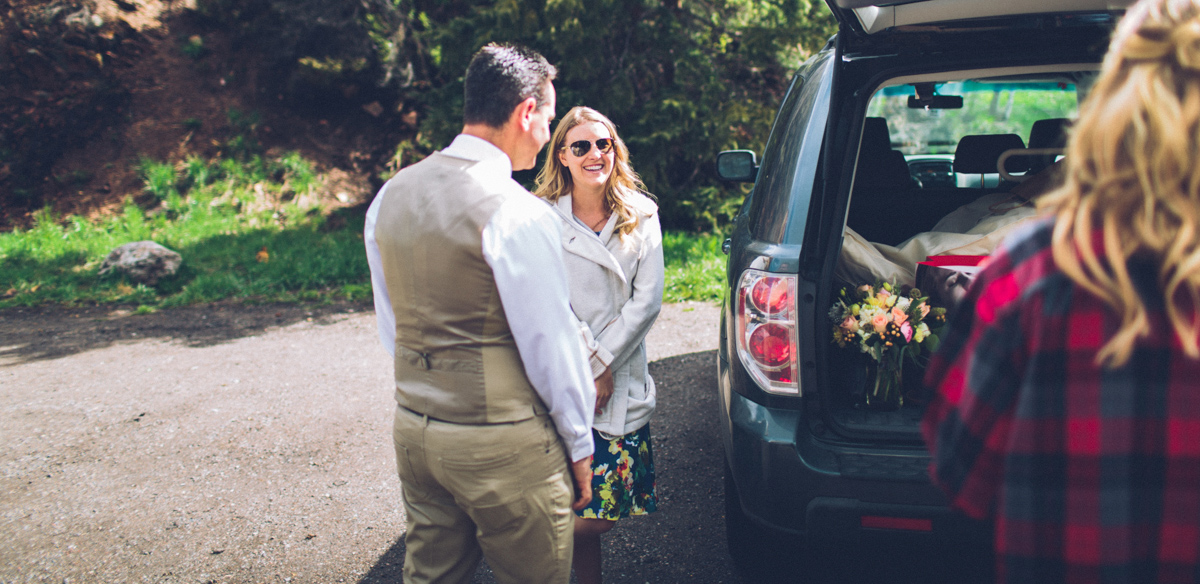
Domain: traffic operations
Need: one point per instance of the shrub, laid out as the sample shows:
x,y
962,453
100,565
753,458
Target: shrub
x,y
682,80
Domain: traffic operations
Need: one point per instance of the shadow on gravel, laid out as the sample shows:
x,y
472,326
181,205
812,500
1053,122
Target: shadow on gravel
x,y
32,334
389,568
685,540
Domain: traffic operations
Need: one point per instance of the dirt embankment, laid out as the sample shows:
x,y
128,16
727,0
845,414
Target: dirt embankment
x,y
88,88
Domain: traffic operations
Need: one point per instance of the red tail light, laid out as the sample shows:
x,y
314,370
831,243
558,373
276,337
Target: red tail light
x,y
766,330
771,293
770,345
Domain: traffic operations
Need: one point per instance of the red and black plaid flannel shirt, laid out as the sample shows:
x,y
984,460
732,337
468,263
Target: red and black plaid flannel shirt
x,y
1090,475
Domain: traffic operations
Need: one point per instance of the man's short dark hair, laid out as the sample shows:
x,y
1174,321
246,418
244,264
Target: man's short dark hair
x,y
499,78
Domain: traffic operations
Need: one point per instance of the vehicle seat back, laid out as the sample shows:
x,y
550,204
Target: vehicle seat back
x,y
878,165
980,153
1047,133
882,185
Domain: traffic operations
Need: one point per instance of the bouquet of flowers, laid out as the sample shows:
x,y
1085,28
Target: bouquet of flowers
x,y
888,324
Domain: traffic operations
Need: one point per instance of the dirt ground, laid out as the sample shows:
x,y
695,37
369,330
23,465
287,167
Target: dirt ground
x,y
218,444
160,104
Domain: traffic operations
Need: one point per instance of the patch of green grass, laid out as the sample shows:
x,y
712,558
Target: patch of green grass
x,y
198,172
297,172
218,215
695,267
158,178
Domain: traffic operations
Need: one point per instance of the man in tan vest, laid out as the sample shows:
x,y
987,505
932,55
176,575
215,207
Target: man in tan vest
x,y
495,395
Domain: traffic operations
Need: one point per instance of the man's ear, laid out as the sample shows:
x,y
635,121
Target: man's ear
x,y
523,114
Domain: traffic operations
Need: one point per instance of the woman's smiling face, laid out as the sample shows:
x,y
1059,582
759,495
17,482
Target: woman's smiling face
x,y
593,168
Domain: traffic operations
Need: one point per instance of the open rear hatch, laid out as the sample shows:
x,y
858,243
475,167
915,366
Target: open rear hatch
x,y
873,30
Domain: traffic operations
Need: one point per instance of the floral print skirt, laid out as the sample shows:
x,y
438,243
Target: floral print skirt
x,y
622,476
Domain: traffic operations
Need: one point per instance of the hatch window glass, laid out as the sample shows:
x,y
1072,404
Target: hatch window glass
x,y
929,136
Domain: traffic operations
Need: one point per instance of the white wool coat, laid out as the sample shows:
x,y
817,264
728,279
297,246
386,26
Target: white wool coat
x,y
616,288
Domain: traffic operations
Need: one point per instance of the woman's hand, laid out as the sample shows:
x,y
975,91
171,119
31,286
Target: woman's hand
x,y
604,389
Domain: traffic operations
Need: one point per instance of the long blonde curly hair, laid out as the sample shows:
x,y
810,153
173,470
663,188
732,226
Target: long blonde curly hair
x,y
1133,176
554,179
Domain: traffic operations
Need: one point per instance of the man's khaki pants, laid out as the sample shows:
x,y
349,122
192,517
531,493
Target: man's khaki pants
x,y
500,490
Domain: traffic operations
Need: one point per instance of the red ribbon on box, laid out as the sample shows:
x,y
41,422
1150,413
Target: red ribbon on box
x,y
953,260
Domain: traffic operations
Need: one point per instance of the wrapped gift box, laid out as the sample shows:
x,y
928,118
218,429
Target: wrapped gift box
x,y
945,278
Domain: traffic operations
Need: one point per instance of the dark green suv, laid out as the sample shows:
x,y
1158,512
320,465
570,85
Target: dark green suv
x,y
909,134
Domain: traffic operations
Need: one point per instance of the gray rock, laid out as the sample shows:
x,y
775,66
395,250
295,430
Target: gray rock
x,y
142,261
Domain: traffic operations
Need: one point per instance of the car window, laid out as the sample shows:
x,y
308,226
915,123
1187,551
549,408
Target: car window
x,y
988,108
928,137
788,170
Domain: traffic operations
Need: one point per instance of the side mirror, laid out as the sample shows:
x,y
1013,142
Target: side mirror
x,y
737,165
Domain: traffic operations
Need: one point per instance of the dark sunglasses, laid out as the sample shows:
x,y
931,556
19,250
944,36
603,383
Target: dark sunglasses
x,y
582,147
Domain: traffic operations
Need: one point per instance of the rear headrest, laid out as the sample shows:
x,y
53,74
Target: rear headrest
x,y
1049,133
979,153
876,137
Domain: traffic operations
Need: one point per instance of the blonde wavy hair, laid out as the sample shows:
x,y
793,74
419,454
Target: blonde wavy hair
x,y
1133,176
554,179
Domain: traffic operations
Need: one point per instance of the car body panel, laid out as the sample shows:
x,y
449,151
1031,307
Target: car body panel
x,y
867,17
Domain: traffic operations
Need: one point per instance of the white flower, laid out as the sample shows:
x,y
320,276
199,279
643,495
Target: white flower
x,y
921,332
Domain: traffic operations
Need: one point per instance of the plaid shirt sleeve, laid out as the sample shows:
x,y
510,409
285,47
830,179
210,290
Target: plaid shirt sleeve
x,y
975,372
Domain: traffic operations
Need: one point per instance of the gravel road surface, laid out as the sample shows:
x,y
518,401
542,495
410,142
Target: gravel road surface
x,y
253,444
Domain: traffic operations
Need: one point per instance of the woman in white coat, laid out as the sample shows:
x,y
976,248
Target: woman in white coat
x,y
612,245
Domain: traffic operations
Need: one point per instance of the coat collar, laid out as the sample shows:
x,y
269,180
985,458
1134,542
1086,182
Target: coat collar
x,y
578,240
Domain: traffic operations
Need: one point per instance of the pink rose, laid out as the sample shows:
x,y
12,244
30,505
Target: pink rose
x,y
898,315
850,324
879,321
907,331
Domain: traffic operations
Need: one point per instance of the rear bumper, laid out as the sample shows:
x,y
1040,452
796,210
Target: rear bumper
x,y
790,481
